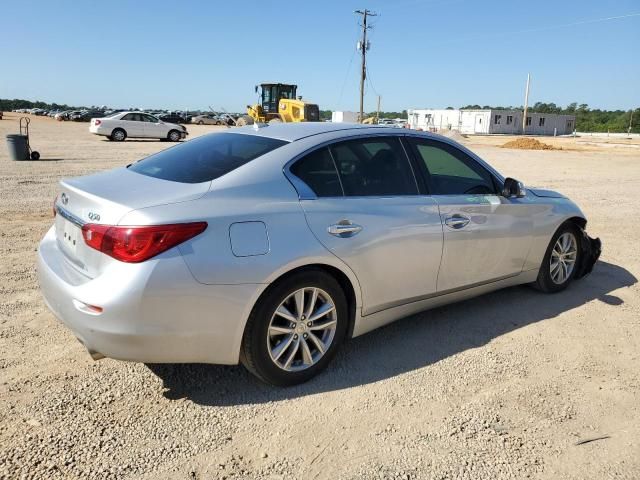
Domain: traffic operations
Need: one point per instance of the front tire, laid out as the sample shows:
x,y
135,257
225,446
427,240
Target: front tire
x,y
561,259
174,136
295,328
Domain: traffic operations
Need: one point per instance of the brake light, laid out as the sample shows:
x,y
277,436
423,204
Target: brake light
x,y
135,244
97,122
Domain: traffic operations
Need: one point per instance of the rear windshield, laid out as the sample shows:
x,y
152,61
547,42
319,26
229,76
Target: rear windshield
x,y
205,158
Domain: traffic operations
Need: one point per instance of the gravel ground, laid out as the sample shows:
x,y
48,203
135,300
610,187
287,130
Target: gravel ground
x,y
503,386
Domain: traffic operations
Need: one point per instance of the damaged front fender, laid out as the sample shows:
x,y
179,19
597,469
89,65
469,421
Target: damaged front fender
x,y
591,250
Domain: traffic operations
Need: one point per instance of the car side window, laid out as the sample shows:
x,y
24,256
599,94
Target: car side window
x,y
374,166
149,118
318,171
134,117
450,171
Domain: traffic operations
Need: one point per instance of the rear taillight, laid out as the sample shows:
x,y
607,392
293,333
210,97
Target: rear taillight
x,y
136,244
97,122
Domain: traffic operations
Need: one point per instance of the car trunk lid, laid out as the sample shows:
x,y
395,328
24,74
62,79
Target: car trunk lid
x,y
105,198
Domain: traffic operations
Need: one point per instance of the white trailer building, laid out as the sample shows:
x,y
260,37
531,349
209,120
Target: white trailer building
x,y
488,121
346,117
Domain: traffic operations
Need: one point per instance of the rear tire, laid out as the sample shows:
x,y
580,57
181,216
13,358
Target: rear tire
x,y
200,122
560,262
291,349
244,120
118,135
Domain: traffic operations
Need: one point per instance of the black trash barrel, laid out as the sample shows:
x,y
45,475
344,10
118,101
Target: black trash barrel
x,y
18,147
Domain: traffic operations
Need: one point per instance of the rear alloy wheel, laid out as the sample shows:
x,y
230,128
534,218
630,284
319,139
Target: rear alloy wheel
x,y
559,265
174,136
200,122
118,135
295,329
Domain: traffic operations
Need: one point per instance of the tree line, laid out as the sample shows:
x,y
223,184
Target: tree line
x,y
7,105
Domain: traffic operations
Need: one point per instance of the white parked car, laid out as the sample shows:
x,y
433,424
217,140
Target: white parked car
x,y
207,119
136,125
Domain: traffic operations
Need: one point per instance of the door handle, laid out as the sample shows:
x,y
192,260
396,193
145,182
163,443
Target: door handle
x,y
456,221
344,229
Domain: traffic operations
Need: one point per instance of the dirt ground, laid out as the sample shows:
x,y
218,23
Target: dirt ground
x,y
503,386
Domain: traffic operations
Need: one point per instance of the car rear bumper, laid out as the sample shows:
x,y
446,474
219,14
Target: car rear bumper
x,y
153,312
99,130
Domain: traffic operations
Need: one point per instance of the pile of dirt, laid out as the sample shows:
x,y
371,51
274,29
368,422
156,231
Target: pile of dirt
x,y
529,144
454,135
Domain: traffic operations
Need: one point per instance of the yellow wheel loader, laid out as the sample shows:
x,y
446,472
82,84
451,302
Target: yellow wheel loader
x,y
278,103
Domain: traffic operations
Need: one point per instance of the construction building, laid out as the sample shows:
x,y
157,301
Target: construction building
x,y
490,121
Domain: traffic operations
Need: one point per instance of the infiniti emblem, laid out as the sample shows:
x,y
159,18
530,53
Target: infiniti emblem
x,y
64,199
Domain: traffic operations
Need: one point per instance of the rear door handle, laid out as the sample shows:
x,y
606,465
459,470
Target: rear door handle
x,y
456,221
344,229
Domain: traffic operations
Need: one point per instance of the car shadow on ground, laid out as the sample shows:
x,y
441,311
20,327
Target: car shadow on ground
x,y
406,345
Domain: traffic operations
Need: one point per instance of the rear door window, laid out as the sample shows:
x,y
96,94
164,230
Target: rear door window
x,y
374,166
318,171
205,158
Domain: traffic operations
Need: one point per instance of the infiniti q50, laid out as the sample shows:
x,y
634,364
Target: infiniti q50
x,y
272,245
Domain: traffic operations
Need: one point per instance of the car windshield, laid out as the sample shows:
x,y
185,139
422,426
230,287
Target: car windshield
x,y
205,158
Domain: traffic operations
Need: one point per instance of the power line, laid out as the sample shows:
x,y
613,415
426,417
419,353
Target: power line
x,y
346,76
371,83
550,27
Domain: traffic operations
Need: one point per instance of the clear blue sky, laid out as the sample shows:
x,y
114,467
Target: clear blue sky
x,y
433,53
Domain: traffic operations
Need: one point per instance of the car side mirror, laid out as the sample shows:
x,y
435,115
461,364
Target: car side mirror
x,y
513,188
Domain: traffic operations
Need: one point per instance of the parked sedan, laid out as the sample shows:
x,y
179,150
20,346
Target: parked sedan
x,y
171,118
207,119
273,245
88,115
136,125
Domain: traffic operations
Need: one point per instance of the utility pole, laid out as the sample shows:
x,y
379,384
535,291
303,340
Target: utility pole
x,y
630,123
526,106
363,47
378,111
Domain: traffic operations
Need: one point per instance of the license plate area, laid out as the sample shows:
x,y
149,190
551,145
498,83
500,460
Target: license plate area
x,y
69,236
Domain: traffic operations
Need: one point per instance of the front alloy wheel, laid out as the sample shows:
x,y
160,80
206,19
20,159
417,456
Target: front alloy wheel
x,y
563,258
560,260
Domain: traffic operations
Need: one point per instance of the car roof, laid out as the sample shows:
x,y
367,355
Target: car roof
x,y
291,132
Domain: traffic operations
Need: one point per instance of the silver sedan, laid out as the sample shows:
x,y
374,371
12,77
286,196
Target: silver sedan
x,y
272,245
